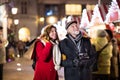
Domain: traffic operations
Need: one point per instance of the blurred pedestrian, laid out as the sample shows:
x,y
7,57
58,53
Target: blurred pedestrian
x,y
77,53
21,48
104,58
114,60
44,69
3,44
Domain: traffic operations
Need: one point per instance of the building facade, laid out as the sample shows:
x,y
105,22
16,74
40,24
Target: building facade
x,y
35,14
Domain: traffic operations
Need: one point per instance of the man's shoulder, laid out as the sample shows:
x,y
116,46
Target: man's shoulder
x,y
86,38
64,40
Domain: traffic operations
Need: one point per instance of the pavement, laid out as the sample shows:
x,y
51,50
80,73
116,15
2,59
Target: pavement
x,y
21,69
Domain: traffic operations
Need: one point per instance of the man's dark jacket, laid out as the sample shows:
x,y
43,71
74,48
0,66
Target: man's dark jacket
x,y
68,48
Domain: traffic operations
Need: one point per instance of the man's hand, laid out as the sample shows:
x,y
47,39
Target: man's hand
x,y
76,62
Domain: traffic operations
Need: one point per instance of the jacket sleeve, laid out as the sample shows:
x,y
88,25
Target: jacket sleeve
x,y
44,52
65,61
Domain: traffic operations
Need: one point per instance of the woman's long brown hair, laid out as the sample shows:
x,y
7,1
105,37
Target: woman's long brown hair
x,y
46,32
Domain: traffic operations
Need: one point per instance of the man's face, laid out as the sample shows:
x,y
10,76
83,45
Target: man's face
x,y
73,29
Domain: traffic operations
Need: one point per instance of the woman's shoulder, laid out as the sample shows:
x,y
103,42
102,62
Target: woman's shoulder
x,y
39,42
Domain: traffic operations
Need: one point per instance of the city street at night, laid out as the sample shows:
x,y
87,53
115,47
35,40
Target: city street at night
x,y
75,34
21,69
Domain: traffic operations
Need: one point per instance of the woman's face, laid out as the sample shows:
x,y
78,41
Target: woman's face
x,y
53,34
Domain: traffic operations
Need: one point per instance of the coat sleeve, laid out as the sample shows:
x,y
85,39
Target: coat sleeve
x,y
65,61
44,52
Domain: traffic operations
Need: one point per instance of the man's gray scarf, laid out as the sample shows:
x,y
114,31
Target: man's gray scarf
x,y
76,41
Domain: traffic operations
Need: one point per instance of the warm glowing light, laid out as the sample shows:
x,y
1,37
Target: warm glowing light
x,y
16,21
18,64
4,20
42,19
14,10
52,20
18,55
90,7
73,9
24,34
93,30
19,69
118,29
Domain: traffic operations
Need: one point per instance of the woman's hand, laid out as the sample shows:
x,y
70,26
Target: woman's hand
x,y
46,41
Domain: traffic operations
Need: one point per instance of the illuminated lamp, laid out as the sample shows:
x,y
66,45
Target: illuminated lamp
x,y
52,20
24,34
14,10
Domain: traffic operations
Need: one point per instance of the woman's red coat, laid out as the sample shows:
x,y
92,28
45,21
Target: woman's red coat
x,y
44,69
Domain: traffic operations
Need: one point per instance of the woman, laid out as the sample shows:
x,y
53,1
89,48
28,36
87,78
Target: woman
x,y
104,58
44,69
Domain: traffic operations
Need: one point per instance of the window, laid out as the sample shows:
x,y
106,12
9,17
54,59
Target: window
x,y
90,7
51,10
24,7
73,9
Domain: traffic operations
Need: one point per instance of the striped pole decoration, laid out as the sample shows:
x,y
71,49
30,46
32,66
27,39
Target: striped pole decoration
x,y
89,13
103,10
113,12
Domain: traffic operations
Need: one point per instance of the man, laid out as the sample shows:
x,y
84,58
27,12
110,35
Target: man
x,y
77,54
3,43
